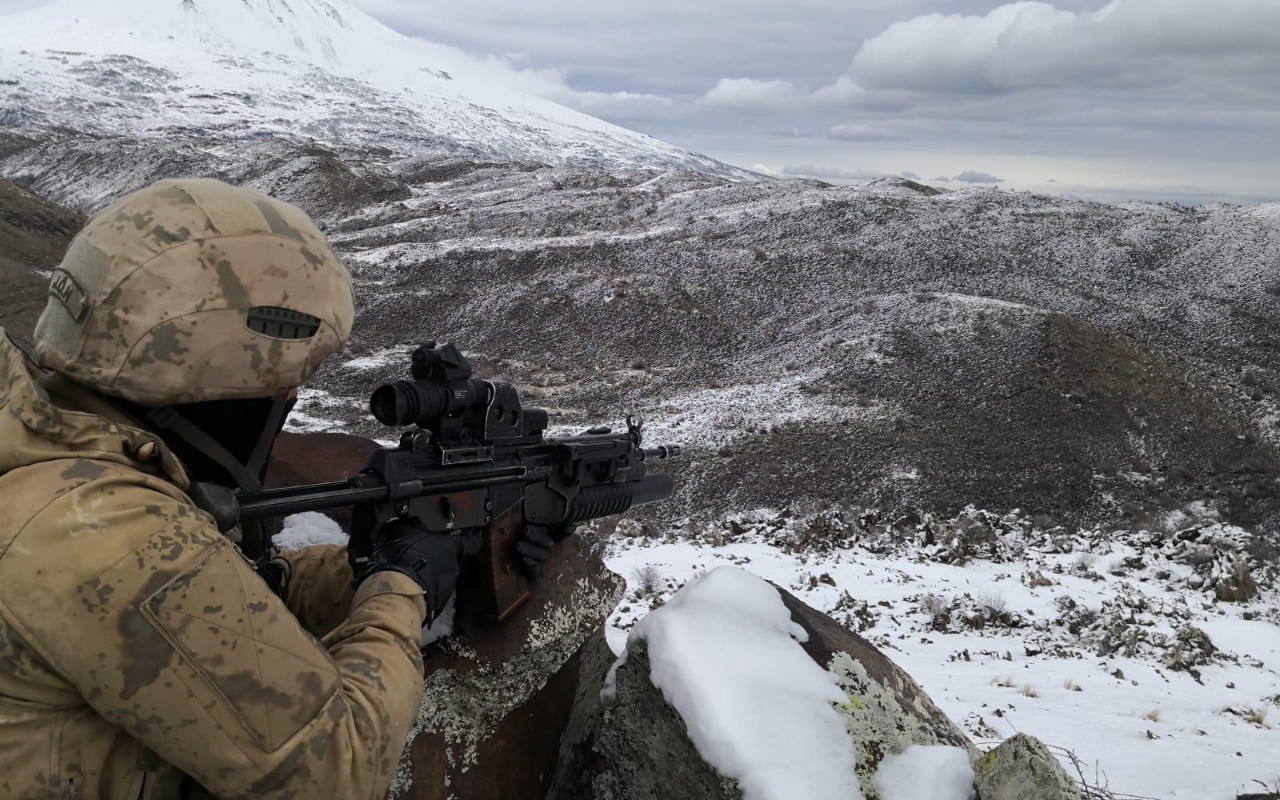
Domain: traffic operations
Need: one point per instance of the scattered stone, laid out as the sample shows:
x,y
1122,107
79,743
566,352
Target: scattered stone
x,y
1238,586
1191,648
1022,768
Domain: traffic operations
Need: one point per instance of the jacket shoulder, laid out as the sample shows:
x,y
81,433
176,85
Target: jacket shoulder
x,y
67,521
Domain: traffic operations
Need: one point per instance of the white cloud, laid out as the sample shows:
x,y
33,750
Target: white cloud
x,y
859,132
1032,44
617,105
969,176
834,173
748,94
909,175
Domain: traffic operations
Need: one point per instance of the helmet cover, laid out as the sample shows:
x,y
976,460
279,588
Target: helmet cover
x,y
194,290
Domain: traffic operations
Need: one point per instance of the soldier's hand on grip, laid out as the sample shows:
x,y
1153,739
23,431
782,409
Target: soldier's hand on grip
x,y
535,544
434,560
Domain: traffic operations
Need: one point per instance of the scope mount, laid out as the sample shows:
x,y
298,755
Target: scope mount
x,y
463,415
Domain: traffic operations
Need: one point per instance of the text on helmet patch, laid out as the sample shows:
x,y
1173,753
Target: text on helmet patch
x,y
64,288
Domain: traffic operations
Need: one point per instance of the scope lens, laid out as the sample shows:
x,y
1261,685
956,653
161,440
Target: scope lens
x,y
394,404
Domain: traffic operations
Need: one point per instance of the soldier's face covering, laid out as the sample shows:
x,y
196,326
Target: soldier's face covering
x,y
239,426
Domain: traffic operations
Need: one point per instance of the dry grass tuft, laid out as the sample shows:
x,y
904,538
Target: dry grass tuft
x,y
647,579
1256,716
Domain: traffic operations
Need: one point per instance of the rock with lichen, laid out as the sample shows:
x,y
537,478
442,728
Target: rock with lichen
x,y
499,696
887,711
637,748
1022,768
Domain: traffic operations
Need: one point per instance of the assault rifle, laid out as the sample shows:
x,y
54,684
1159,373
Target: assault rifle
x,y
474,458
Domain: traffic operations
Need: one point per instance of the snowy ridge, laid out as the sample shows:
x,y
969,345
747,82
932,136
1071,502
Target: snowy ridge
x,y
309,68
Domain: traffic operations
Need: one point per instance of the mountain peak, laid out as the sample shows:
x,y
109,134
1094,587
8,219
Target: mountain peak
x,y
322,69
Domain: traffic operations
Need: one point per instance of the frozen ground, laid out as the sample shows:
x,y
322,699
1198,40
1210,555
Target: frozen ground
x,y
1136,725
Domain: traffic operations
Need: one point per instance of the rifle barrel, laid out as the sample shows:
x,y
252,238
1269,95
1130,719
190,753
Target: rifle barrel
x,y
322,496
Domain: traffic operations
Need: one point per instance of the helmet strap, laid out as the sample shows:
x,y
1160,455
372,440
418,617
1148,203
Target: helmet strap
x,y
248,476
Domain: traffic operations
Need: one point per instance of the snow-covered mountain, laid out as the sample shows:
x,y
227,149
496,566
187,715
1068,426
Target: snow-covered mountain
x,y
312,68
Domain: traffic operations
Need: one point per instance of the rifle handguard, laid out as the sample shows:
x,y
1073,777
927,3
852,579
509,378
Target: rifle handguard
x,y
615,498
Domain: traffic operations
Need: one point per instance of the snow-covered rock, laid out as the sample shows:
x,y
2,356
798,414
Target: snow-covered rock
x,y
312,68
736,689
726,654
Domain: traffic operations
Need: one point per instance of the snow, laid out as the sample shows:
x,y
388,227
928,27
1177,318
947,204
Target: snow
x,y
312,68
926,773
1130,722
306,529
717,417
726,655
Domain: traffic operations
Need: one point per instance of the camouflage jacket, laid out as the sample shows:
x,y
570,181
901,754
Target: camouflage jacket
x,y
138,647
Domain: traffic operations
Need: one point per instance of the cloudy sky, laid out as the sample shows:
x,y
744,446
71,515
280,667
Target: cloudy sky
x,y
1153,99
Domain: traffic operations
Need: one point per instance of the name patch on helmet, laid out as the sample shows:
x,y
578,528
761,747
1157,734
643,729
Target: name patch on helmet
x,y
66,290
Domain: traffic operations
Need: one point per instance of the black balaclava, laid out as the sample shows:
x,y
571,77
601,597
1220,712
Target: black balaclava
x,y
226,443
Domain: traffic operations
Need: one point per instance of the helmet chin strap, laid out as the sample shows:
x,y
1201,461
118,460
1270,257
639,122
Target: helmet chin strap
x,y
249,475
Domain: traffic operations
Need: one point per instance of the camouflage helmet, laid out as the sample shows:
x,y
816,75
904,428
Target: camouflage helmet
x,y
193,290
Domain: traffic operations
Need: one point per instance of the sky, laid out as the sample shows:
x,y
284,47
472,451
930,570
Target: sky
x,y
1175,100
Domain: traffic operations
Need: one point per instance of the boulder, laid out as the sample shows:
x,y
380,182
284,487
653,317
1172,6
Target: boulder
x,y
1239,585
499,695
1021,768
887,710
638,747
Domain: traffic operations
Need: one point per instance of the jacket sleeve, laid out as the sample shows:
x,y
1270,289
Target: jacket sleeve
x,y
134,597
319,587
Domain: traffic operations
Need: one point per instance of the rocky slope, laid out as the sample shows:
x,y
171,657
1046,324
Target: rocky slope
x,y
883,346
33,235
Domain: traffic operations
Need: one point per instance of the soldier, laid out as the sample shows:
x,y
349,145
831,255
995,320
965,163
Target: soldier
x,y
140,654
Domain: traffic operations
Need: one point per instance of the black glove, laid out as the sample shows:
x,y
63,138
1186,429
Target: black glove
x,y
275,571
534,545
434,560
